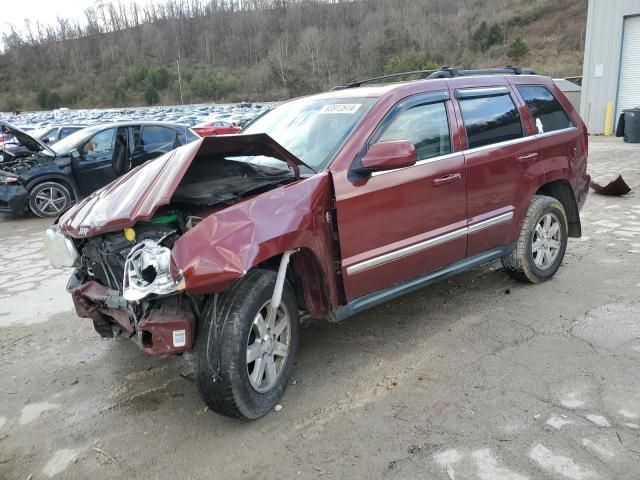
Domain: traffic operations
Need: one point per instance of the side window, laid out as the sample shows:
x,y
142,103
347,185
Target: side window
x,y
158,139
490,120
49,136
426,126
101,143
66,131
545,109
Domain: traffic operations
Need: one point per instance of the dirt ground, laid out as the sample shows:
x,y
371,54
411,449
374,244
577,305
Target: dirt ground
x,y
478,377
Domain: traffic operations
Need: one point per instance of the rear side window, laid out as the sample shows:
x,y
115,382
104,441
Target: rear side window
x,y
426,126
155,139
545,109
158,135
490,120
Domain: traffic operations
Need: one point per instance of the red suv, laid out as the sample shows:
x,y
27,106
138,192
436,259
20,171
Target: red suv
x,y
324,207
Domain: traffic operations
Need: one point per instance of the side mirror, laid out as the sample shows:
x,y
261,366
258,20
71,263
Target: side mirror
x,y
74,153
45,140
389,156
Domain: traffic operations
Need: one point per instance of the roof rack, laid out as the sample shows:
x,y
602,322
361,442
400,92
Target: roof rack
x,y
444,72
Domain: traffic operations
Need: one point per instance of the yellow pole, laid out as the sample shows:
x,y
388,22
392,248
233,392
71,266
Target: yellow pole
x,y
608,122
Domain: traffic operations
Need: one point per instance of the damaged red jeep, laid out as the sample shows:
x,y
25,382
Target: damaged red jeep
x,y
322,208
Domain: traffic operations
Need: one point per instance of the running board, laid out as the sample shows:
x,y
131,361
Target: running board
x,y
376,298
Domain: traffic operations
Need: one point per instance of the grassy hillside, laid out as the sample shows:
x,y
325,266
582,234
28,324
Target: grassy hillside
x,y
233,50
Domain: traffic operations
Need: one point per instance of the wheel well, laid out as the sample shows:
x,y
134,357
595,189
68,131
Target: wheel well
x,y
561,190
307,278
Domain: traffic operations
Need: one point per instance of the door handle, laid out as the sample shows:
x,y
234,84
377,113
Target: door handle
x,y
527,157
447,179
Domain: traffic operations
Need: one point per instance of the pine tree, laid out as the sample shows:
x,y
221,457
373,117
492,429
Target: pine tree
x,y
517,50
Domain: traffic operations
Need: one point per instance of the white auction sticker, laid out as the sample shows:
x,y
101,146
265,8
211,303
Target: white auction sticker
x,y
179,338
341,108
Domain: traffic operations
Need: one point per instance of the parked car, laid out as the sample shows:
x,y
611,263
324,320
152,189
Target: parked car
x,y
322,208
55,133
54,176
215,127
49,136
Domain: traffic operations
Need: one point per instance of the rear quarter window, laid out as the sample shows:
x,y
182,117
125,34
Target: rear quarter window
x,y
545,109
157,135
491,119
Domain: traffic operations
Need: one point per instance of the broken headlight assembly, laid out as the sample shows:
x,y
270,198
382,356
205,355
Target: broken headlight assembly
x,y
59,249
147,271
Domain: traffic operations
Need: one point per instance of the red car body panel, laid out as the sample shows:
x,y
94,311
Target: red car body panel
x,y
227,244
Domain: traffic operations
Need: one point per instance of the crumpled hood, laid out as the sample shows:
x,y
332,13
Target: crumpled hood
x,y
136,196
31,143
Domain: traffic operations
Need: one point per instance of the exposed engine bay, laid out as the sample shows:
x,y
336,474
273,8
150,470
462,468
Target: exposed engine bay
x,y
21,164
208,183
124,280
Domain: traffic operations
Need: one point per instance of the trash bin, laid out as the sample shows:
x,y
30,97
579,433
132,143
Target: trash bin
x,y
632,125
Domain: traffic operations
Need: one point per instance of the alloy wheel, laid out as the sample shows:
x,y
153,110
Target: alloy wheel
x,y
50,200
547,241
268,346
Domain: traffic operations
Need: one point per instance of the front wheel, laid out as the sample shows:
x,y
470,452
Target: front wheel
x,y
49,199
542,242
245,351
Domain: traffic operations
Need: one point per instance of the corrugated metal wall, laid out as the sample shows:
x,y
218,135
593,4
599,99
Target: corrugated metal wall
x,y
603,48
629,81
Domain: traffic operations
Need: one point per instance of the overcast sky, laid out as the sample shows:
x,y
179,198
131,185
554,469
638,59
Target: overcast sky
x,y
44,11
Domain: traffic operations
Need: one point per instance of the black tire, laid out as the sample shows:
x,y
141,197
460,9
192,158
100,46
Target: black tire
x,y
61,199
106,327
223,334
521,263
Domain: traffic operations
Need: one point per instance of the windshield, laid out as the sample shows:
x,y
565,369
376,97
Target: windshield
x,y
75,140
313,130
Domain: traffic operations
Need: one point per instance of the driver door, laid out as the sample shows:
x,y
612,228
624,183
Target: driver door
x,y
400,224
94,167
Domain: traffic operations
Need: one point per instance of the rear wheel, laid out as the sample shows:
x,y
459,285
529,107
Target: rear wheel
x,y
49,199
245,351
542,242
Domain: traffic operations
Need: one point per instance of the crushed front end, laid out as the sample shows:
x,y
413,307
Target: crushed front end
x,y
123,282
152,246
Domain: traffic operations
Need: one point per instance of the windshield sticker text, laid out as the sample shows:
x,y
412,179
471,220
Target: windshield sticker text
x,y
341,108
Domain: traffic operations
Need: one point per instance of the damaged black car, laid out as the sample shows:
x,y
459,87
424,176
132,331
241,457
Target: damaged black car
x,y
53,177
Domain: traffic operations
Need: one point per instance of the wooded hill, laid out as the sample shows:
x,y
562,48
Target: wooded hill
x,y
230,50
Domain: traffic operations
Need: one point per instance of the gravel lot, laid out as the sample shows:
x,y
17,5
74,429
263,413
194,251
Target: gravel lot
x,y
477,377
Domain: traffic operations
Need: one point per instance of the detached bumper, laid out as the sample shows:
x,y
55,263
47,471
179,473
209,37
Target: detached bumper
x,y
13,199
166,329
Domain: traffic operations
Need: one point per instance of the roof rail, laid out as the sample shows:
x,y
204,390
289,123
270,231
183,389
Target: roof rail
x,y
444,72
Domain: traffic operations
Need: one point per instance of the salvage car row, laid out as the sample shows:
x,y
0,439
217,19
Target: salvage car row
x,y
191,115
44,171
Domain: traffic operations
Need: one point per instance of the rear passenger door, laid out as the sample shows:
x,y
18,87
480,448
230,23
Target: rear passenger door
x,y
501,165
399,224
558,138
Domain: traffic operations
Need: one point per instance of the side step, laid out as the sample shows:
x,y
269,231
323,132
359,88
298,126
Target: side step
x,y
376,298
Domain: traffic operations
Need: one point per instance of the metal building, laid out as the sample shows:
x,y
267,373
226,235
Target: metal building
x,y
611,71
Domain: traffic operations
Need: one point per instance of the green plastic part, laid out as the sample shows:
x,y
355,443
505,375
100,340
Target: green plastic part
x,y
165,219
